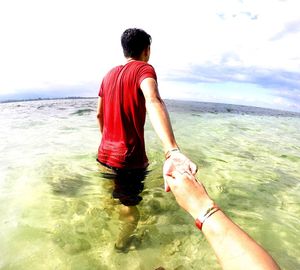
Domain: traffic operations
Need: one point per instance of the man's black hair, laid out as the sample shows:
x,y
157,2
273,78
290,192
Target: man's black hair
x,y
134,41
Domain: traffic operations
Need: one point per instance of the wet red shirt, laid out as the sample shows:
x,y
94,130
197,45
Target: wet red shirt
x,y
124,114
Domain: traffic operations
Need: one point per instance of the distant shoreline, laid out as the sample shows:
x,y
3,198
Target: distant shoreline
x,y
196,106
40,99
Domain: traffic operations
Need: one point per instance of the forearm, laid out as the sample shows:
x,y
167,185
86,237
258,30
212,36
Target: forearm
x,y
234,248
160,121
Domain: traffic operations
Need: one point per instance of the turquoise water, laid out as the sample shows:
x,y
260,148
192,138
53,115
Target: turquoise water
x,y
56,212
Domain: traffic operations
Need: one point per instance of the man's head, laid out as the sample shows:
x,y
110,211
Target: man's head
x,y
135,42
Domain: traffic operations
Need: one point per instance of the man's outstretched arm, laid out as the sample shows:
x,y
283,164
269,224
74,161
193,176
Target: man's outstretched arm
x,y
161,123
158,114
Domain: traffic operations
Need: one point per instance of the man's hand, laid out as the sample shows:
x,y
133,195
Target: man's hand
x,y
180,163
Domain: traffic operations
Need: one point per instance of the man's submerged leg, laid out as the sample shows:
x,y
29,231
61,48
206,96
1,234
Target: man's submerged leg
x,y
127,190
129,217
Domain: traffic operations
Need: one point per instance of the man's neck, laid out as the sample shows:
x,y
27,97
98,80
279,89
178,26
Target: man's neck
x,y
129,59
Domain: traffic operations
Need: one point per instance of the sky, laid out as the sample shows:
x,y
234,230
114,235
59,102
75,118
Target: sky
x,y
228,51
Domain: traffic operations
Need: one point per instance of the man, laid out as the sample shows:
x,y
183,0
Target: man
x,y
126,93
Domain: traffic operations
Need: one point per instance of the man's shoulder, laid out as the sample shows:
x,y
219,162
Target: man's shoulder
x,y
133,64
143,68
138,67
112,72
115,69
142,64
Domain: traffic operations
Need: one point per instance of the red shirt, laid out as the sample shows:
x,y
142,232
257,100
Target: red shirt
x,y
124,114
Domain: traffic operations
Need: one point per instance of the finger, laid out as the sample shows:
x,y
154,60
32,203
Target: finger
x,y
193,168
178,174
166,185
168,167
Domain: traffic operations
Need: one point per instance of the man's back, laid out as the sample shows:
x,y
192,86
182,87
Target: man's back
x,y
124,111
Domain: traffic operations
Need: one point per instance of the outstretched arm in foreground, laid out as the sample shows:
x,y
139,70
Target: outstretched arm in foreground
x,y
161,123
234,248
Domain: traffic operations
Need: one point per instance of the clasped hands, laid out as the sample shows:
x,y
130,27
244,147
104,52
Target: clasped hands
x,y
179,177
177,163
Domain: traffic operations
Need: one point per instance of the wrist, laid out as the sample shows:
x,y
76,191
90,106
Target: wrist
x,y
200,207
203,216
171,151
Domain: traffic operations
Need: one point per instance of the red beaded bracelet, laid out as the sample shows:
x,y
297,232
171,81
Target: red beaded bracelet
x,y
201,218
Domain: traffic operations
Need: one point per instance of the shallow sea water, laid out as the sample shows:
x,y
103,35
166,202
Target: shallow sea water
x,y
56,212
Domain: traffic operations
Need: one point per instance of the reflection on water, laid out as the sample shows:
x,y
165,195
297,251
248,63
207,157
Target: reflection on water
x,y
56,211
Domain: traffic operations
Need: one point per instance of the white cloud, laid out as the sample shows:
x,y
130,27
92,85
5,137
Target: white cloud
x,y
54,42
50,43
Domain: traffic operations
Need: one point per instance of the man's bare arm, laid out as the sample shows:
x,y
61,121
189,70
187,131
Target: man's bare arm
x,y
160,120
158,114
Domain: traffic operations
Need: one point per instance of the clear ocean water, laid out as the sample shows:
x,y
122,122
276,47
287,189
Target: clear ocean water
x,y
56,211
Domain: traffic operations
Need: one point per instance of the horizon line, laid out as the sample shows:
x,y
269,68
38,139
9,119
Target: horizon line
x,y
186,100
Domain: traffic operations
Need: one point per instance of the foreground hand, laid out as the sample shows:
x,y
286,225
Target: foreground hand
x,y
190,194
179,162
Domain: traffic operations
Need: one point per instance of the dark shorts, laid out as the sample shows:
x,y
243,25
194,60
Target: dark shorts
x,y
128,183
